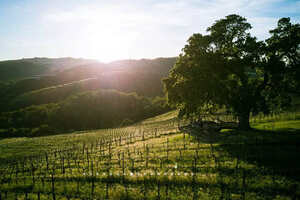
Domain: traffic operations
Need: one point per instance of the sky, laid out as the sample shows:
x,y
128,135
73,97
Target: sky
x,y
109,30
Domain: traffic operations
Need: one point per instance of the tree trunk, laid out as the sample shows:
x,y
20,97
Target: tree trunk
x,y
244,121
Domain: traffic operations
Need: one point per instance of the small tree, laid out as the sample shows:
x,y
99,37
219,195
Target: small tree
x,y
228,68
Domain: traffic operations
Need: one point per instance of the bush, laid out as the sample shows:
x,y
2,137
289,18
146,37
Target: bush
x,y
127,122
42,130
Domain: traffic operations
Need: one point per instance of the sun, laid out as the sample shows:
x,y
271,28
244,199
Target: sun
x,y
108,41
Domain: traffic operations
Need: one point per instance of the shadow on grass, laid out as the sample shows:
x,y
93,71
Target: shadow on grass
x,y
278,151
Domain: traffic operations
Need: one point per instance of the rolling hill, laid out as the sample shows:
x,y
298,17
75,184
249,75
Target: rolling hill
x,y
37,67
55,93
36,75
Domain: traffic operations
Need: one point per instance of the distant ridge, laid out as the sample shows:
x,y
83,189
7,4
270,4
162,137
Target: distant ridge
x,y
29,67
40,66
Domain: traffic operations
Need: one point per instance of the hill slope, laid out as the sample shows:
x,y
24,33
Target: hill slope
x,y
27,68
140,76
153,160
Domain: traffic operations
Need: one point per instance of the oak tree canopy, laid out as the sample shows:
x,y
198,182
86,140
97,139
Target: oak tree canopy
x,y
229,68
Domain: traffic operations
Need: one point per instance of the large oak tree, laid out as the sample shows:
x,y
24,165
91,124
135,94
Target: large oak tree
x,y
228,68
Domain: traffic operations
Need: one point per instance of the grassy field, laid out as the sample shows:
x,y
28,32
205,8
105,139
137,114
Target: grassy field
x,y
156,160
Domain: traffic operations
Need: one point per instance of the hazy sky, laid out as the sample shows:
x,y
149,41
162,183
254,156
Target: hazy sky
x,y
116,29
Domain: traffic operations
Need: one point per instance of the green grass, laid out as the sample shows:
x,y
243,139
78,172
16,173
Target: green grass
x,y
164,117
158,161
279,126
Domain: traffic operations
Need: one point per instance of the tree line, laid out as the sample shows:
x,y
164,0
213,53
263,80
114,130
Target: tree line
x,y
83,111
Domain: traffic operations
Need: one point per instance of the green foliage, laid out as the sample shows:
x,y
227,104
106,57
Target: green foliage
x,y
71,76
69,97
82,111
283,53
228,68
52,94
127,122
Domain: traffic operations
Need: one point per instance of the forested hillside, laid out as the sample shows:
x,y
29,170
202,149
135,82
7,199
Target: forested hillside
x,y
83,111
65,94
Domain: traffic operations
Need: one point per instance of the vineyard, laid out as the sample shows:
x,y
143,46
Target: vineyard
x,y
159,158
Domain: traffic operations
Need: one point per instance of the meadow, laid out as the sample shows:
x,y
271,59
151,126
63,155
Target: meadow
x,y
159,158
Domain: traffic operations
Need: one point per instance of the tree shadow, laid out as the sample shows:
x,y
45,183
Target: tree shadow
x,y
276,151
